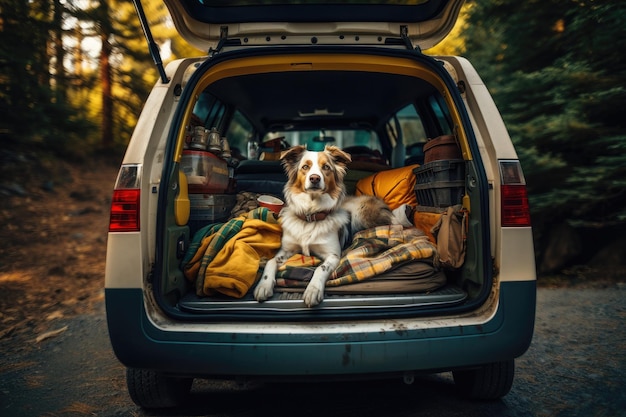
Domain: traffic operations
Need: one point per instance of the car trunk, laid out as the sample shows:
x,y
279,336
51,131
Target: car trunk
x,y
352,92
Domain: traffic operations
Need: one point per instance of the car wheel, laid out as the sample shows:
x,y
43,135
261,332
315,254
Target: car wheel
x,y
151,389
489,382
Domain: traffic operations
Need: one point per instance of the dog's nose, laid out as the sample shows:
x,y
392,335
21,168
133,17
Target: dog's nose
x,y
315,179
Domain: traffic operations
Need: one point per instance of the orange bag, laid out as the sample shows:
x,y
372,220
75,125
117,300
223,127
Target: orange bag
x,y
425,220
395,186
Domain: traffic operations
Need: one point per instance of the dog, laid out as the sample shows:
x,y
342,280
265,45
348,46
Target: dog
x,y
318,218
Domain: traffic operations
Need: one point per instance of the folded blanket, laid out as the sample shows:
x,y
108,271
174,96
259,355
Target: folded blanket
x,y
226,258
373,252
380,249
411,277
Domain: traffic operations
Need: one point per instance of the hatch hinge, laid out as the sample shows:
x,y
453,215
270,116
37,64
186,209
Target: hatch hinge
x,y
404,35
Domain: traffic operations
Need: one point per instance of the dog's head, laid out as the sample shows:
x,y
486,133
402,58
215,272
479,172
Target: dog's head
x,y
316,172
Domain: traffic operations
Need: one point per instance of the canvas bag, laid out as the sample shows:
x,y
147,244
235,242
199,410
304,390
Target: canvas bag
x,y
451,234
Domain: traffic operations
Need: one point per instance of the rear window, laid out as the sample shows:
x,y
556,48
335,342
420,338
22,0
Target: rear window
x,y
316,140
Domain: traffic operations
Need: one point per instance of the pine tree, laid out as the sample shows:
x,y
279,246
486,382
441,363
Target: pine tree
x,y
555,71
32,78
125,69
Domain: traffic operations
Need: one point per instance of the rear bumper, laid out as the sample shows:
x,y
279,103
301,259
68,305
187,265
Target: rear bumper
x,y
262,349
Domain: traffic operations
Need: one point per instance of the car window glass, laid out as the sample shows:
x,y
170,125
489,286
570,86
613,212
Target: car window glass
x,y
316,140
238,134
413,134
209,110
411,125
440,110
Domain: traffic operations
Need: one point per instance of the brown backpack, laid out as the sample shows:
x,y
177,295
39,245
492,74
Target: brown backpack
x,y
451,234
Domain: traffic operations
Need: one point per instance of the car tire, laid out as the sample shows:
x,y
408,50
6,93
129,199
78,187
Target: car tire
x,y
489,382
151,389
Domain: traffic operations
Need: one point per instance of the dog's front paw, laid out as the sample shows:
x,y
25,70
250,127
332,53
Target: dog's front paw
x,y
264,289
313,295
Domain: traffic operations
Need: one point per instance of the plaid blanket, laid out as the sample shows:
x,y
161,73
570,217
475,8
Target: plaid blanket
x,y
227,257
373,252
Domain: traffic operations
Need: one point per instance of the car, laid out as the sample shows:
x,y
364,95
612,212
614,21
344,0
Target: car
x,y
423,133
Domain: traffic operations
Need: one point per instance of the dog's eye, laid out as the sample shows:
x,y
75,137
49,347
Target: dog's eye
x,y
305,167
326,167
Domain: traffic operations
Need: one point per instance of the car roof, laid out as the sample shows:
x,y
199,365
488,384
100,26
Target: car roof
x,y
203,23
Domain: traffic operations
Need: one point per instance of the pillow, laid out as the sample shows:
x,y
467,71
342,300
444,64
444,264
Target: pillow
x,y
395,186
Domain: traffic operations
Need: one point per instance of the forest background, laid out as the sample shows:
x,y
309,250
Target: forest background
x,y
74,75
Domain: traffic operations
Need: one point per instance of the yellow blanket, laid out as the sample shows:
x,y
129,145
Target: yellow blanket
x,y
228,258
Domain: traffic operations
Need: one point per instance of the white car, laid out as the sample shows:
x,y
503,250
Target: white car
x,y
208,142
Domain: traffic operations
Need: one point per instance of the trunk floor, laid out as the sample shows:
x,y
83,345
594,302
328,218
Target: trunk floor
x,y
292,301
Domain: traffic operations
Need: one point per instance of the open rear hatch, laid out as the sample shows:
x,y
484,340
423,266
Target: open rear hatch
x,y
204,23
218,26
210,25
406,291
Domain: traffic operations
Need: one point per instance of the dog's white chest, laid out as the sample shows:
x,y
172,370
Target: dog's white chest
x,y
313,237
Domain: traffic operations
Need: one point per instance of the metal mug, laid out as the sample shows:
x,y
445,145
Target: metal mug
x,y
215,141
199,138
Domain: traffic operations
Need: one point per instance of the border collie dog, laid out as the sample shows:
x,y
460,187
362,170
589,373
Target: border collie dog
x,y
318,218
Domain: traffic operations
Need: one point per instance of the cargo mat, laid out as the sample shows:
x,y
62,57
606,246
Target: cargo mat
x,y
292,301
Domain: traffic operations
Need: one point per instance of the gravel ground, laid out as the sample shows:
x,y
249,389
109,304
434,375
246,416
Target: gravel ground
x,y
576,366
57,360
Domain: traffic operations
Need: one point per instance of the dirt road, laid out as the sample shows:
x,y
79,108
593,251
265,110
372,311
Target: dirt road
x,y
576,366
57,361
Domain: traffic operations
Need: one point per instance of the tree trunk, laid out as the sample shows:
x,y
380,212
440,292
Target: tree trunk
x,y
78,58
106,81
60,89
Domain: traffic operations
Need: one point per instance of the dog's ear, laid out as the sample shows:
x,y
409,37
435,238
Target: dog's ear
x,y
291,156
339,156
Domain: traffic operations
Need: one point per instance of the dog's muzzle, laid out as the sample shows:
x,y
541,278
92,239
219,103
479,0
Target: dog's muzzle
x,y
315,182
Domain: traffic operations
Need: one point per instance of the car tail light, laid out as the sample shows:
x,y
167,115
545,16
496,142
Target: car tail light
x,y
125,211
515,209
125,203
